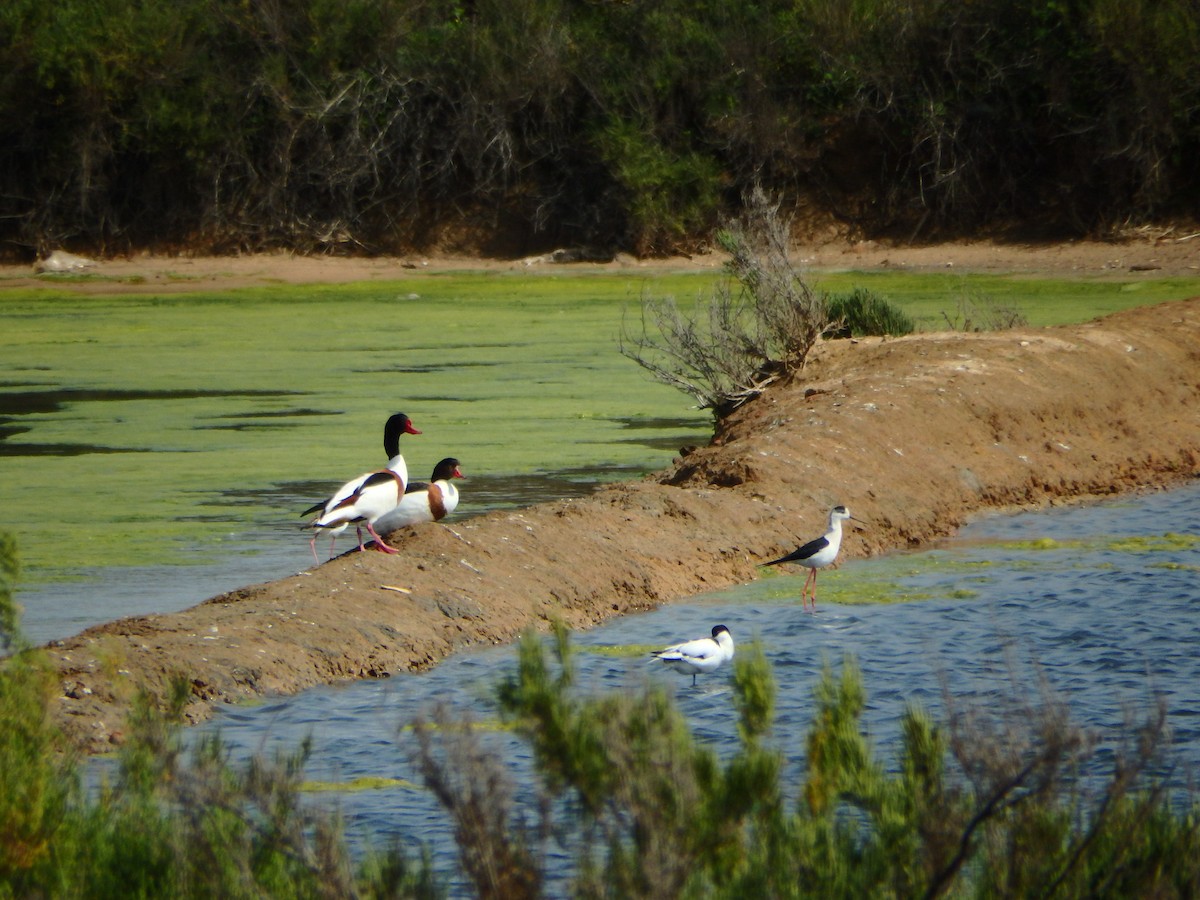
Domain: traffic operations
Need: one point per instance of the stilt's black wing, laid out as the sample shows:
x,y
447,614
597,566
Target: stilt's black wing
x,y
801,553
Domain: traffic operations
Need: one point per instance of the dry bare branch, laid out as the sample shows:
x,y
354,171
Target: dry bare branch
x,y
758,326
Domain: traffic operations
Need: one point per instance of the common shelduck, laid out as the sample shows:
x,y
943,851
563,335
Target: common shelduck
x,y
425,501
364,499
818,553
701,655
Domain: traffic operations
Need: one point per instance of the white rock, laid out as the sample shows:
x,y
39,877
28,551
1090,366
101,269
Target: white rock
x,y
62,261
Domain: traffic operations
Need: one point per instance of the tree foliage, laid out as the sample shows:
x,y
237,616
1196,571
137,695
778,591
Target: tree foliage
x,y
374,125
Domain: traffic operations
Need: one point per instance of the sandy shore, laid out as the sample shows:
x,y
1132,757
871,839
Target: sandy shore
x,y
1152,252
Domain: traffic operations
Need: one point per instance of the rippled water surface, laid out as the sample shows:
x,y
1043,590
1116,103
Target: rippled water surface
x,y
1098,601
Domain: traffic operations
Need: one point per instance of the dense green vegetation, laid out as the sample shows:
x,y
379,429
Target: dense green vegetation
x,y
512,125
862,312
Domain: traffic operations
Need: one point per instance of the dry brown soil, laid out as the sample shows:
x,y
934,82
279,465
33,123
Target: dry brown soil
x,y
917,435
1151,251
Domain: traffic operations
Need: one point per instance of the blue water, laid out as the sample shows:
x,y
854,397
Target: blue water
x,y
1060,603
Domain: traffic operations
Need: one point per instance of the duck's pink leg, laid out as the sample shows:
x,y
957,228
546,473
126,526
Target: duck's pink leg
x,y
379,544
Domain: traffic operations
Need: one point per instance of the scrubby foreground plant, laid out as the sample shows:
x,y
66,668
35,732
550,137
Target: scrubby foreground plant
x,y
166,826
983,808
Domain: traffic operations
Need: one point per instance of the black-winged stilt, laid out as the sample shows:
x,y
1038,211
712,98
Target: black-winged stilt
x,y
818,553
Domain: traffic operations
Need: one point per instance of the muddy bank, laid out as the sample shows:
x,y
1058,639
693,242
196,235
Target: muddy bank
x,y
916,435
1144,253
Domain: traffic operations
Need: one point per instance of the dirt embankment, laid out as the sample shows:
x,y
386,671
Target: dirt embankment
x,y
915,434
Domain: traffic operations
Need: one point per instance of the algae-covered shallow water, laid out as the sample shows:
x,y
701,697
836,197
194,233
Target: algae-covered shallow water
x,y
159,450
136,428
1095,603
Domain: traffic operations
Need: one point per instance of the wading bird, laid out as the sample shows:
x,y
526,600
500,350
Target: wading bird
x,y
818,553
701,655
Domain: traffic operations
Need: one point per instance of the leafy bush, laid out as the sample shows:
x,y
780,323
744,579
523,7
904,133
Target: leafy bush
x,y
863,312
657,812
38,784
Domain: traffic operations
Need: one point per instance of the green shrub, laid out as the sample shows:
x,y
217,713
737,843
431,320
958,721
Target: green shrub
x,y
862,312
659,814
38,782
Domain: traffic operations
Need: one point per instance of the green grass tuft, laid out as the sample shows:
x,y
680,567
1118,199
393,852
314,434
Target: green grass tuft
x,y
364,783
620,651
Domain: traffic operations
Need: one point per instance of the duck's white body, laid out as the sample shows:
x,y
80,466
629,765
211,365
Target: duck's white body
x,y
817,553
429,501
362,500
700,656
